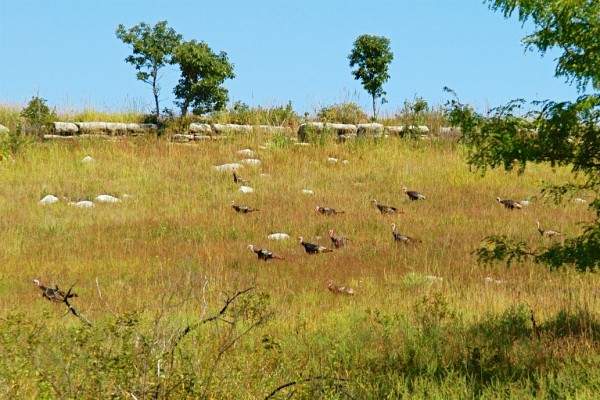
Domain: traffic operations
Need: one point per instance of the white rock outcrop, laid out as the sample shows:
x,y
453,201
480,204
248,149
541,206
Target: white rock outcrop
x,y
82,204
246,189
305,129
107,198
204,129
231,128
278,236
372,129
65,128
227,167
251,161
48,199
246,152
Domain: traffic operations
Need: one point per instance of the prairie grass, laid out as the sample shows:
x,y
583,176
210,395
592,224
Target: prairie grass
x,y
169,256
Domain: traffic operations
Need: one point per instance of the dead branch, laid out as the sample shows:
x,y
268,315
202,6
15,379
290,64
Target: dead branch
x,y
217,316
56,295
72,309
311,379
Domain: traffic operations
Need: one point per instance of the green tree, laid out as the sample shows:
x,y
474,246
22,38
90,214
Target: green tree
x,y
372,56
153,48
558,133
38,115
202,74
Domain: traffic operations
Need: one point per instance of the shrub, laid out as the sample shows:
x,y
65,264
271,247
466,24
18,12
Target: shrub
x,y
345,113
38,116
242,113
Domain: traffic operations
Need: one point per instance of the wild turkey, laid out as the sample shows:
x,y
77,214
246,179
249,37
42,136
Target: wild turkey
x,y
386,209
339,289
264,254
413,195
510,204
400,237
53,294
238,179
312,248
547,233
328,210
243,209
338,241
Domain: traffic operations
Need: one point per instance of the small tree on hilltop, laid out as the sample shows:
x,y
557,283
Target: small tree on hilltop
x,y
38,115
202,74
372,57
152,50
559,133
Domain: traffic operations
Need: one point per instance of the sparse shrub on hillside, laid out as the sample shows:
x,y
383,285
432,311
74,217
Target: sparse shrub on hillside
x,y
38,117
344,113
243,114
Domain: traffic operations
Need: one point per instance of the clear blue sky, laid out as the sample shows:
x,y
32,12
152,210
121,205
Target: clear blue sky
x,y
66,52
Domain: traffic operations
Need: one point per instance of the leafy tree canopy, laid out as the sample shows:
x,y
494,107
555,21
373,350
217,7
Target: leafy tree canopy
x,y
153,48
202,74
571,26
558,133
371,55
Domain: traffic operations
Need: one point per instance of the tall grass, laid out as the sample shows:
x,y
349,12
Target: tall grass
x,y
171,255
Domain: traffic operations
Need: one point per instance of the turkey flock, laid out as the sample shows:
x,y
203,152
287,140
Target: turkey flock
x,y
338,242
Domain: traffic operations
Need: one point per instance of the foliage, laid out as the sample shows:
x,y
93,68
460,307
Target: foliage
x,y
202,74
153,48
571,26
38,116
415,113
244,114
372,55
344,113
558,133
125,354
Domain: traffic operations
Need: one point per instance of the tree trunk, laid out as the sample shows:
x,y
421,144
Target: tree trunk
x,y
155,93
374,109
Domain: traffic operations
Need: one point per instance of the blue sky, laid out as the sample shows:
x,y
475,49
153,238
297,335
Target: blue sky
x,y
283,50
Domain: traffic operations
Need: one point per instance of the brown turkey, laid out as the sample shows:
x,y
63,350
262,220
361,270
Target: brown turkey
x,y
547,232
328,210
510,204
338,241
400,237
264,254
243,209
339,289
312,248
385,209
53,294
413,195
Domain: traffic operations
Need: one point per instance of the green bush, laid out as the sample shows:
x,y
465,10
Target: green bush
x,y
241,113
344,113
38,117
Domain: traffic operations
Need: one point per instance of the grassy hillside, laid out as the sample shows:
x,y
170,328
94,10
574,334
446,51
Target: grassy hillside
x,y
426,320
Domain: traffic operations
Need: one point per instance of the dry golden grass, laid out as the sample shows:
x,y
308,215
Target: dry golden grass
x,y
179,221
179,235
